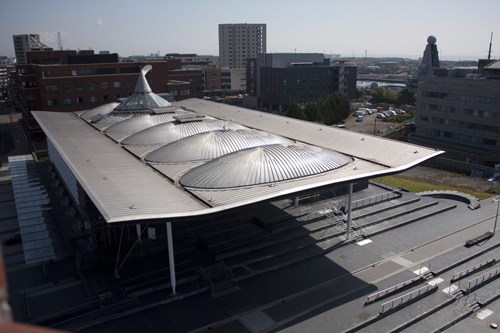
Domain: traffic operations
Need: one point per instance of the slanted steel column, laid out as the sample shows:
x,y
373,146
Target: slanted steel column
x,y
171,262
138,230
349,209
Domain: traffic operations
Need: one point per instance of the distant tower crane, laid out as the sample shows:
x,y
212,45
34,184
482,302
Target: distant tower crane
x,y
489,51
59,42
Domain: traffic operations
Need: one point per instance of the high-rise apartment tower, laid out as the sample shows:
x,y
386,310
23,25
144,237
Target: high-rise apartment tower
x,y
237,42
24,43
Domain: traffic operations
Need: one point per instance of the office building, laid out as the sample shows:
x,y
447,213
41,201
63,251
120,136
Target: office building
x,y
25,43
278,79
189,60
237,42
458,109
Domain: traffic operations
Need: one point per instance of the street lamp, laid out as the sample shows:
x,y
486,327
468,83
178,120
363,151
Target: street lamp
x,y
497,200
495,180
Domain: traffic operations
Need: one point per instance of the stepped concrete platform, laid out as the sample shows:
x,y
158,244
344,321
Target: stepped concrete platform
x,y
297,272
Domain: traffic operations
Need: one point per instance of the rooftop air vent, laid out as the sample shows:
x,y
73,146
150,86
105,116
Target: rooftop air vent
x,y
187,118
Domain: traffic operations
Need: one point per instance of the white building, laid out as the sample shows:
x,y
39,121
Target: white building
x,y
24,43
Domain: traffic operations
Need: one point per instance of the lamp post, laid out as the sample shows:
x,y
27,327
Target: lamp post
x,y
496,180
497,200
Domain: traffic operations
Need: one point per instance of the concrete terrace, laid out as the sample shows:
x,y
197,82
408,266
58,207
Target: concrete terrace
x,y
293,271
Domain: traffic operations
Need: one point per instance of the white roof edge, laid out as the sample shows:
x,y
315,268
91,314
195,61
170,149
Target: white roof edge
x,y
67,160
276,194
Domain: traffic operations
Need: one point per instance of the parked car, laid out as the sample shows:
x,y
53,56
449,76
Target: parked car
x,y
380,115
359,119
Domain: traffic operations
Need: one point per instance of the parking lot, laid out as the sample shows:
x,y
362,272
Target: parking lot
x,y
371,125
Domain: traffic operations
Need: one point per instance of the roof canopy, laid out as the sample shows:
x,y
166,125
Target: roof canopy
x,y
202,167
200,157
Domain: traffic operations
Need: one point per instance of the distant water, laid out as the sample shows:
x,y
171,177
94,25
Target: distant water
x,y
367,84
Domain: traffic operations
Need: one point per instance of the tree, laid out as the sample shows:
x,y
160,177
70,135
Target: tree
x,y
334,108
296,111
384,95
406,97
360,94
328,110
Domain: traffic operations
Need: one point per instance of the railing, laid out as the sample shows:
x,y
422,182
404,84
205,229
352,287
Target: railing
x,y
390,305
483,278
470,270
376,198
383,293
310,196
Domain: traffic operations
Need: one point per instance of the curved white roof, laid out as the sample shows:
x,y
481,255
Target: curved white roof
x,y
263,165
210,145
169,132
100,110
143,121
125,188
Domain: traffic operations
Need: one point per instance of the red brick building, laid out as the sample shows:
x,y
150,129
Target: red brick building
x,y
80,80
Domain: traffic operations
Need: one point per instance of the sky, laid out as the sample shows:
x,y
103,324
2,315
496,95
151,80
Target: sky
x,y
347,27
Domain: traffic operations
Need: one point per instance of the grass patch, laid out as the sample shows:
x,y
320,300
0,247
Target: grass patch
x,y
416,186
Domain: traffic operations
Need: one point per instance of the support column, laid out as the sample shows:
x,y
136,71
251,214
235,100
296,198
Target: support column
x,y
170,245
349,210
138,230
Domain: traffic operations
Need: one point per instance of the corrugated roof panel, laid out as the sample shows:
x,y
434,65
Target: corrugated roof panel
x,y
111,119
122,187
210,145
100,110
386,152
262,165
242,195
170,132
142,121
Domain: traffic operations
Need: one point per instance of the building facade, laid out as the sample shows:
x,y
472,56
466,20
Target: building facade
x,y
279,79
233,79
25,43
191,59
78,80
459,111
237,42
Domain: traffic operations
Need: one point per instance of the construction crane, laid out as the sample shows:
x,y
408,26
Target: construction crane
x,y
59,42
